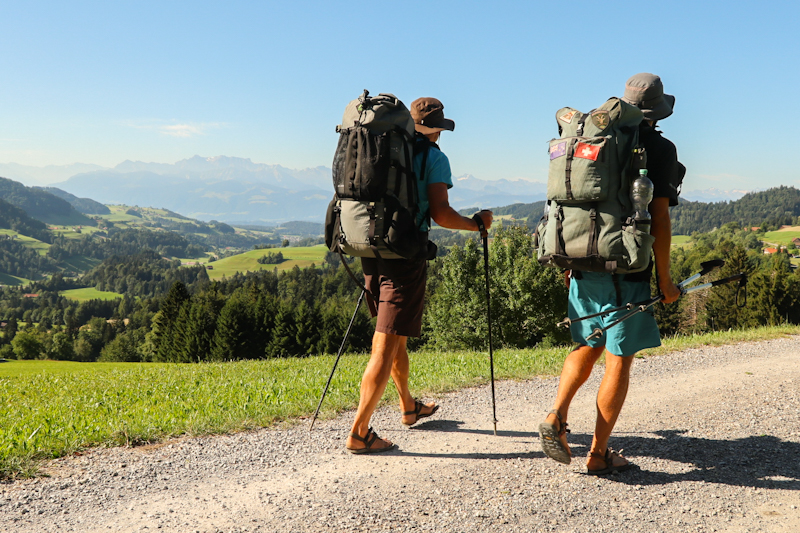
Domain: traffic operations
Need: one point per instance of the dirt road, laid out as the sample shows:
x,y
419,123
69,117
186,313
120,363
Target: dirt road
x,y
714,434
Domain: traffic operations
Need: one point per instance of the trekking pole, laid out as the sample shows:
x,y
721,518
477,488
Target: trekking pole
x,y
740,277
485,235
336,362
705,267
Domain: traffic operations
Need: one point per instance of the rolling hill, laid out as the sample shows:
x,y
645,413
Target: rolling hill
x,y
41,205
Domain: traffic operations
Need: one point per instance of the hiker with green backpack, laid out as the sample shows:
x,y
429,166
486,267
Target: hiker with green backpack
x,y
390,180
600,226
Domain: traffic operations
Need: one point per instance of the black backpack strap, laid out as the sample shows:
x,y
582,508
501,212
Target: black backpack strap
x,y
350,272
423,146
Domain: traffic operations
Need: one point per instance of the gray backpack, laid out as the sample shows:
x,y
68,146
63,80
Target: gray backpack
x,y
375,204
589,221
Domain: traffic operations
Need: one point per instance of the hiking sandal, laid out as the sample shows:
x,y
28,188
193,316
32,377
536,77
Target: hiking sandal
x,y
551,439
608,458
369,439
417,412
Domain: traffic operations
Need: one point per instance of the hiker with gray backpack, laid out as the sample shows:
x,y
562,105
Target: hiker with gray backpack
x,y
612,180
390,180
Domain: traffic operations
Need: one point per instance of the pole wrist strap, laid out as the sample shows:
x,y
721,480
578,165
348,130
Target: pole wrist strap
x,y
479,221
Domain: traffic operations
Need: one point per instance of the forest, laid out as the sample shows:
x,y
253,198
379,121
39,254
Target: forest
x,y
769,209
181,316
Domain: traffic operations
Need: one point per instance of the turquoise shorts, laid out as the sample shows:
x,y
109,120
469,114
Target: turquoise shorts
x,y
595,292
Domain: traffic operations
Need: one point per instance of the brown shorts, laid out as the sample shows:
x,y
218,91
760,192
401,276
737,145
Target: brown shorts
x,y
399,285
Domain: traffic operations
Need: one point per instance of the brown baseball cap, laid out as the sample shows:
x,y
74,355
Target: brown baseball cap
x,y
428,115
646,92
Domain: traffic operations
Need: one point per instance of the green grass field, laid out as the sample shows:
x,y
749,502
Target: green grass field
x,y
782,236
248,261
81,295
50,409
28,242
8,279
682,241
74,232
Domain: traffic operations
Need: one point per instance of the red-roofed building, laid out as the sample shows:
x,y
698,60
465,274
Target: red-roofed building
x,y
770,250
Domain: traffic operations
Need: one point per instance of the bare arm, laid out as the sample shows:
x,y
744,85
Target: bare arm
x,y
446,216
661,229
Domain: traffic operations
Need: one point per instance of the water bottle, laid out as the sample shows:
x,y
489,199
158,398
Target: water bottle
x,y
641,196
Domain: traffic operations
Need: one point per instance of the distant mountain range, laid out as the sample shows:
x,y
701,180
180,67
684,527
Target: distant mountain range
x,y
237,190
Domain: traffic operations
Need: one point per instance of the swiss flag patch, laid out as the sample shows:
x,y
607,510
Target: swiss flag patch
x,y
587,151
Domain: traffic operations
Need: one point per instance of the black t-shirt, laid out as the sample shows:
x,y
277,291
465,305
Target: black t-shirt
x,y
663,167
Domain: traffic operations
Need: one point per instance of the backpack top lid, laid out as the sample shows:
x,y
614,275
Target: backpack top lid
x,y
378,113
614,111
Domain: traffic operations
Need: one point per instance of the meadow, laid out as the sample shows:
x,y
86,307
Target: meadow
x,y
51,409
248,261
782,236
682,241
89,293
28,242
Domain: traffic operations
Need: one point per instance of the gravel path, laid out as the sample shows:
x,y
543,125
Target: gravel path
x,y
714,432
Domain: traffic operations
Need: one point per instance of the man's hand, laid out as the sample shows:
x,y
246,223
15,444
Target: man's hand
x,y
486,217
670,291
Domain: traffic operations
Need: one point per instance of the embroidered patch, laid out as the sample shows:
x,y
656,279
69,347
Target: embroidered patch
x,y
557,150
600,119
587,151
567,117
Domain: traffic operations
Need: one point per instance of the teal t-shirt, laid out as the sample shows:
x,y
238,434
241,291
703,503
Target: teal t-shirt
x,y
437,170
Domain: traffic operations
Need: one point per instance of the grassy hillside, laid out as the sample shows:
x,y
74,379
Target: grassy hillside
x,y
782,236
248,261
41,205
681,241
7,279
90,293
27,242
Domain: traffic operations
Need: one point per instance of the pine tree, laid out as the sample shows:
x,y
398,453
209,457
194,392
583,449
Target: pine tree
x,y
164,322
282,342
233,335
307,320
722,311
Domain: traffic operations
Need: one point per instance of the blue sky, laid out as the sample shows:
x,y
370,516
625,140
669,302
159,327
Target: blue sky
x,y
101,82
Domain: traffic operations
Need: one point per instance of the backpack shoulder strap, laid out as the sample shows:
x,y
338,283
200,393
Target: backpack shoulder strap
x,y
423,145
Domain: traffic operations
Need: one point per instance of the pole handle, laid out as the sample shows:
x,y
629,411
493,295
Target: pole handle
x,y
709,266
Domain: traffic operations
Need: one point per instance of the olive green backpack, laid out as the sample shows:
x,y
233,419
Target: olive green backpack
x,y
375,203
588,222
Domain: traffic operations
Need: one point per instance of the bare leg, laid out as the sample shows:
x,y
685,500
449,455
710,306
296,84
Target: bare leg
x,y
400,377
577,369
610,398
385,348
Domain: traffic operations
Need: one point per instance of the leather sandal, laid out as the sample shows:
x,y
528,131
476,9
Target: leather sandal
x,y
369,439
608,458
550,437
417,412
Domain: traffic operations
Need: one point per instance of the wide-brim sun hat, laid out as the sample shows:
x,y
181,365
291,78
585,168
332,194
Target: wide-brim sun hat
x,y
646,92
428,115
